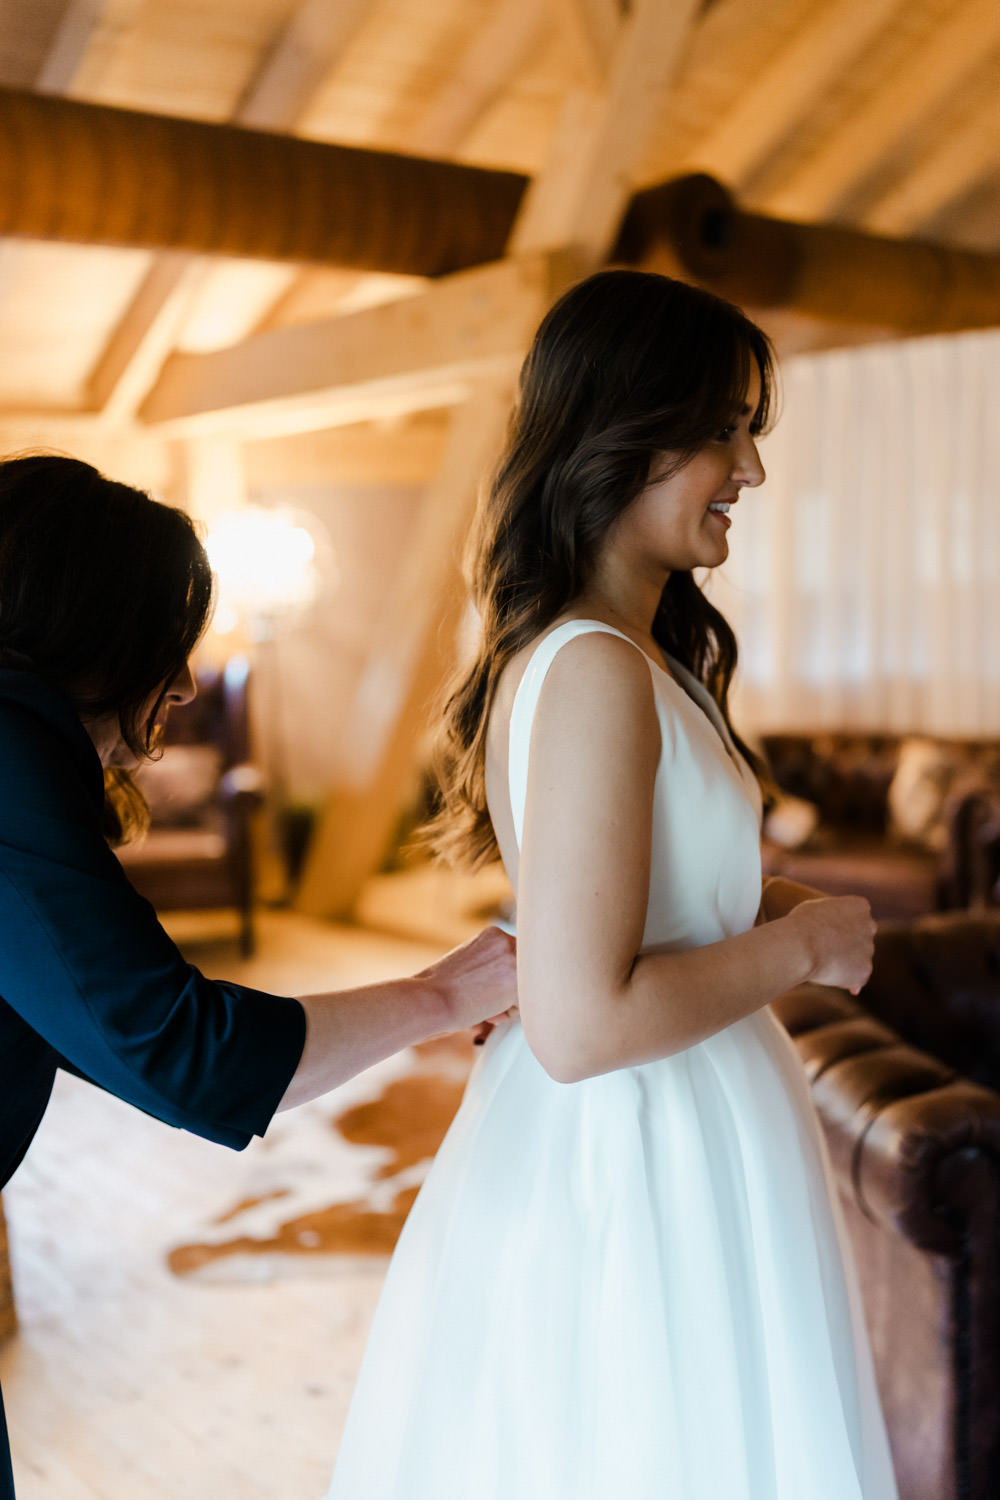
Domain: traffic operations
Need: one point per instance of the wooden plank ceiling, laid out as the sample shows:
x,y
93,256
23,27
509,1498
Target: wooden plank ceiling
x,y
877,114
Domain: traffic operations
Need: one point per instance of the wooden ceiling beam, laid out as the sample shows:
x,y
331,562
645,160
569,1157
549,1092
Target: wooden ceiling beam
x,y
93,174
497,52
61,177
843,276
422,351
932,73
413,354
134,354
303,56
579,197
471,327
89,34
592,28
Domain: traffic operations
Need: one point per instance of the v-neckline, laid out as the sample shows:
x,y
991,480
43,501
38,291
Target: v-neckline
x,y
684,680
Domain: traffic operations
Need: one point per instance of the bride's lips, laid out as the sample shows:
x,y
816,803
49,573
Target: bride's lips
x,y
721,515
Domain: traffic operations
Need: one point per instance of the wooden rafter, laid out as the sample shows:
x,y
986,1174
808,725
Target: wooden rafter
x,y
468,327
412,354
141,340
777,98
84,45
579,197
496,53
292,73
592,28
945,171
83,48
928,78
492,59
303,55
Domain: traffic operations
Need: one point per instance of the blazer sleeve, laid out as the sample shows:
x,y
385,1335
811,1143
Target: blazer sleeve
x,y
86,964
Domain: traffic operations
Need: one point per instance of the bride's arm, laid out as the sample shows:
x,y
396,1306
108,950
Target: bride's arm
x,y
589,1002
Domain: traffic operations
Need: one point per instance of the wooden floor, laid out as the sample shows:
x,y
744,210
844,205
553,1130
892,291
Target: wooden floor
x,y
127,1383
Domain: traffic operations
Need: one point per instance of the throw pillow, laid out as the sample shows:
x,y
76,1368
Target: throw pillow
x,y
791,822
924,773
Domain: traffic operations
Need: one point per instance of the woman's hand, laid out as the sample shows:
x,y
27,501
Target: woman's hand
x,y
839,933
477,982
350,1030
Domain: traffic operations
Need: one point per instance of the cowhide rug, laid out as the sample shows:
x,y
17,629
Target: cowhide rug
x,y
322,1186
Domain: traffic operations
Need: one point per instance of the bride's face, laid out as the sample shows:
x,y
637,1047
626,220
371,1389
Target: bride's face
x,y
681,522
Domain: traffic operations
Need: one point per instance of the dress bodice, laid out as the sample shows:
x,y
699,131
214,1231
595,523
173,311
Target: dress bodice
x,y
705,874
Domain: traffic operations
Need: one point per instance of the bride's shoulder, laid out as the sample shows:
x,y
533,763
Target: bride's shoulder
x,y
592,665
570,644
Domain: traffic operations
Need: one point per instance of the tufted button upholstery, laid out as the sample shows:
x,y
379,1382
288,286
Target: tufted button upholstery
x,y
914,1141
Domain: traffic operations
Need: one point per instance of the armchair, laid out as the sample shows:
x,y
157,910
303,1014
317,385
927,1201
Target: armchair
x,y
203,794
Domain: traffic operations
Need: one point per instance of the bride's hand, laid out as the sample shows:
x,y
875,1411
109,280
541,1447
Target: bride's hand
x,y
840,937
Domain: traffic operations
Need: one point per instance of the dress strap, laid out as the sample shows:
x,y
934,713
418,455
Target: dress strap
x,y
526,700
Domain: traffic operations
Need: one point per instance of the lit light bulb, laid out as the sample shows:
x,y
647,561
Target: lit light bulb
x,y
265,563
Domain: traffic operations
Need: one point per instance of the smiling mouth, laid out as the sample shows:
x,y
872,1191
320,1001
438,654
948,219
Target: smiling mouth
x,y
720,507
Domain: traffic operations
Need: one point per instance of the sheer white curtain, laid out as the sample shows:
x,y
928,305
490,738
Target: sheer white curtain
x,y
864,575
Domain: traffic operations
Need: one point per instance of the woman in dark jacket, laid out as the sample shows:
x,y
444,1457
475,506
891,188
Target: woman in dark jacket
x,y
103,594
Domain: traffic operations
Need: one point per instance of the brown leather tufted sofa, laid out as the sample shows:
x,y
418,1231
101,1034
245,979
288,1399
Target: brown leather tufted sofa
x,y
847,777
906,1081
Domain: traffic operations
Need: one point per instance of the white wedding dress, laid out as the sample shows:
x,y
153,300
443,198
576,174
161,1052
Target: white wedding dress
x,y
635,1287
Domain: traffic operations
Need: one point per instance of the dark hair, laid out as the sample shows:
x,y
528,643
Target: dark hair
x,y
626,367
104,591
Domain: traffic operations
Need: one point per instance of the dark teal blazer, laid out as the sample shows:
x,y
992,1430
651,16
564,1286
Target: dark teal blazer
x,y
90,981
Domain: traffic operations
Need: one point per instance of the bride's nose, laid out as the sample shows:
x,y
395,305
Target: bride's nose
x,y
747,468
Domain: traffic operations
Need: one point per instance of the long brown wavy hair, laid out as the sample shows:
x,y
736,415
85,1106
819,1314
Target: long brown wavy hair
x,y
628,368
104,593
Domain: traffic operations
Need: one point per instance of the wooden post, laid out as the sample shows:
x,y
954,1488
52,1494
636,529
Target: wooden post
x,y
391,713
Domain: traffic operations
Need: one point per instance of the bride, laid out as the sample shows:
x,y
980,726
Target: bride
x,y
625,1274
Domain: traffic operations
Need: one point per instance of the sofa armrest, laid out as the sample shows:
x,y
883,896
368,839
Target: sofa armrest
x,y
970,859
907,1135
